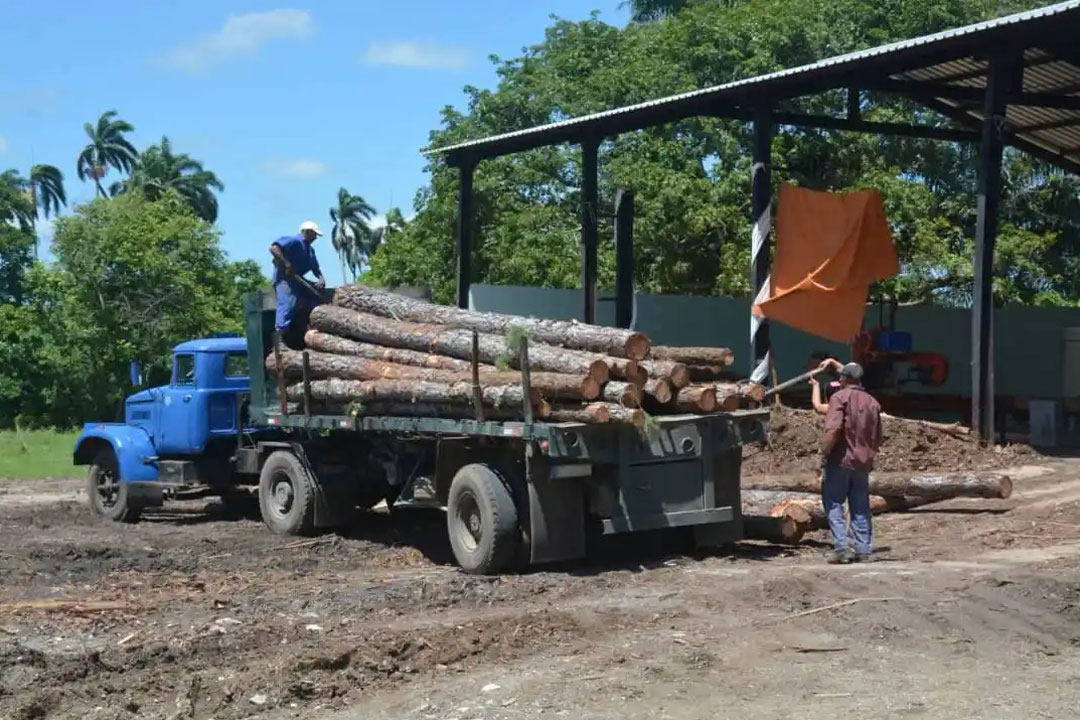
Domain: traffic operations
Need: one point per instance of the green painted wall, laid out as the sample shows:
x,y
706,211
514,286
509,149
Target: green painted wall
x,y
1029,342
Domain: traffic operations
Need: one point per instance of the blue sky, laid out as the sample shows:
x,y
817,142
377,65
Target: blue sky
x,y
286,103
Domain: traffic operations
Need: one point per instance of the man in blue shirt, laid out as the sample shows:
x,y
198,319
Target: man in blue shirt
x,y
294,257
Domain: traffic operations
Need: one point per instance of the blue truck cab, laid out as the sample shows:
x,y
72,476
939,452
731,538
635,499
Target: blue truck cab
x,y
175,439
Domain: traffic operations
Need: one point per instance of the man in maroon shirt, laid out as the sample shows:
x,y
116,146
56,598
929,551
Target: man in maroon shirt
x,y
852,439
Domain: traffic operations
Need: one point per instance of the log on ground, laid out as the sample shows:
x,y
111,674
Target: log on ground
x,y
777,530
412,391
806,508
674,372
694,355
593,338
931,487
349,367
453,342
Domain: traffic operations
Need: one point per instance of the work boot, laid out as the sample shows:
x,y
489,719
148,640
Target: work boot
x,y
865,558
838,557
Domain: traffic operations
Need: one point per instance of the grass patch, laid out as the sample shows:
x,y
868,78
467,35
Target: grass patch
x,y
37,454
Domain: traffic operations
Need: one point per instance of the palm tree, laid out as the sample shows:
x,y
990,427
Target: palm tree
x,y
16,206
107,147
351,234
46,188
395,223
158,170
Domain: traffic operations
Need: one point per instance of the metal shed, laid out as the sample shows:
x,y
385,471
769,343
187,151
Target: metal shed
x,y
1010,81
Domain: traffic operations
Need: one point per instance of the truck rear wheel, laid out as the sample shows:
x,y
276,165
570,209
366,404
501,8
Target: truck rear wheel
x,y
482,521
286,495
108,495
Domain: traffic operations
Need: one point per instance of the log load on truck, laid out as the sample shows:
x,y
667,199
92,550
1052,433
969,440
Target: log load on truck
x,y
515,491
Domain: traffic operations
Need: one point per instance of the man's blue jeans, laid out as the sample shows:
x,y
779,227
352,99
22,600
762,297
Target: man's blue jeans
x,y
840,485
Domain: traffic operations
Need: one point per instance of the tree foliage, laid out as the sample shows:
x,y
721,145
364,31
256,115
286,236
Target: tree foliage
x,y
132,277
159,170
351,236
692,178
108,147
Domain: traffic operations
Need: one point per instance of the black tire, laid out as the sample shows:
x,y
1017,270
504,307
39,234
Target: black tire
x,y
481,519
108,495
286,495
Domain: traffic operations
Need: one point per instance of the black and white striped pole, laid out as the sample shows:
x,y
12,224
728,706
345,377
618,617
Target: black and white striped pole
x,y
761,243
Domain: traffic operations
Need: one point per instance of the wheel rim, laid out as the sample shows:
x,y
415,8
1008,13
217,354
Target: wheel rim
x,y
469,522
282,495
108,491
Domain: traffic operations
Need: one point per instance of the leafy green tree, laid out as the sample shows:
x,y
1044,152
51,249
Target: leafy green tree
x,y
692,178
16,202
108,147
132,277
351,236
159,170
649,10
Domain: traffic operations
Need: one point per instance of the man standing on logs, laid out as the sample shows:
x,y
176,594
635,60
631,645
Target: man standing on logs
x,y
852,439
294,256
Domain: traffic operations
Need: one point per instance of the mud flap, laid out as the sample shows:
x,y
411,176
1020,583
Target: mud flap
x,y
556,515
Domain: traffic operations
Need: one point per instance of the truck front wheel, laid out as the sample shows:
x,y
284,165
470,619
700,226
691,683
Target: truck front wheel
x,y
482,521
286,495
108,496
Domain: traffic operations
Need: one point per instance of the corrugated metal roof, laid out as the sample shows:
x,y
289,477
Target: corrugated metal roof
x,y
961,69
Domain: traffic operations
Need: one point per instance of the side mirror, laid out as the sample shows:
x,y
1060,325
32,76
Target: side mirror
x,y
136,373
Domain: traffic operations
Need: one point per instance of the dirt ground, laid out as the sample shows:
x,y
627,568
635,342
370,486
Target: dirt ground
x,y
974,612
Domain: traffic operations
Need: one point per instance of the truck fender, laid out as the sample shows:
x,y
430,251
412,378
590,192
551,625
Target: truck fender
x,y
136,457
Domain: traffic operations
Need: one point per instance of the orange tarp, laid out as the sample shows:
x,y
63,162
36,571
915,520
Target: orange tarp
x,y
829,248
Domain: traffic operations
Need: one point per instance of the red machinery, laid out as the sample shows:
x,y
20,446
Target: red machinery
x,y
884,353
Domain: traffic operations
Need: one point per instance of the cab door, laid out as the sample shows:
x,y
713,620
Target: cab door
x,y
178,409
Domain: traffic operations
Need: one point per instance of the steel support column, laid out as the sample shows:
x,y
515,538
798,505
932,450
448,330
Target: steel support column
x,y
761,243
624,258
464,232
589,230
1000,81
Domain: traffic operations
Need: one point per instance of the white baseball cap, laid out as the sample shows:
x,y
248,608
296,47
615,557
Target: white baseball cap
x,y
309,225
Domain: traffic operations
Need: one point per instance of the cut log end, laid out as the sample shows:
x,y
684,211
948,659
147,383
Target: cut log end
x,y
659,390
778,530
680,376
599,372
637,346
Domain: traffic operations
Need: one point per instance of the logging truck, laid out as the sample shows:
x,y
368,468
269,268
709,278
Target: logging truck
x,y
514,492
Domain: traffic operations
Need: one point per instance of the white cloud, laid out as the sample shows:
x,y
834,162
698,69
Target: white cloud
x,y
376,222
3,144
240,35
428,56
295,168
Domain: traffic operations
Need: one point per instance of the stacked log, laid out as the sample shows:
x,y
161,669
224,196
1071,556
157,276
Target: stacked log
x,y
373,352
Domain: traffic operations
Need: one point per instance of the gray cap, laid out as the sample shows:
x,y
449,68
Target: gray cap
x,y
852,370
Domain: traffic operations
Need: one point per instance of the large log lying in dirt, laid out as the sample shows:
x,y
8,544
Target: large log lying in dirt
x,y
593,338
693,355
933,487
335,390
674,372
348,367
453,342
777,530
806,508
